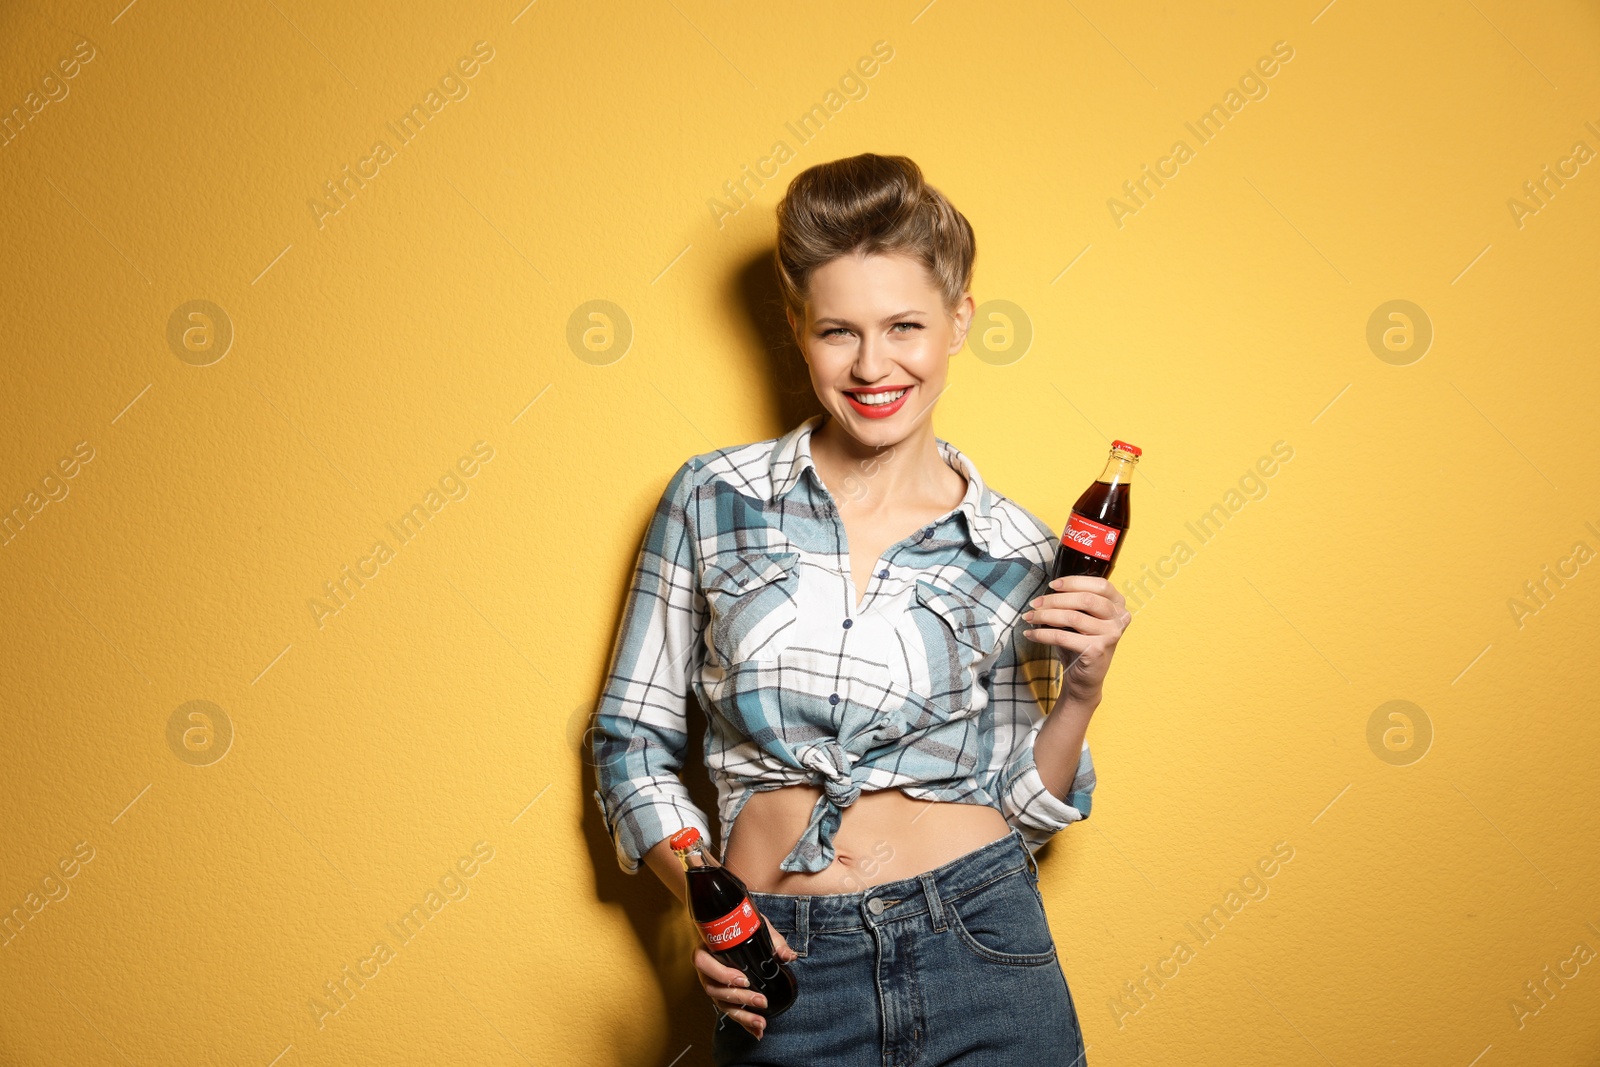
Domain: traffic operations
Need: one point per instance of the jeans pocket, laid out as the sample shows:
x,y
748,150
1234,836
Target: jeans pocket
x,y
1004,922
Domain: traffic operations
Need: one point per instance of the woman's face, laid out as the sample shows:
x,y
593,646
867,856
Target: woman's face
x,y
878,343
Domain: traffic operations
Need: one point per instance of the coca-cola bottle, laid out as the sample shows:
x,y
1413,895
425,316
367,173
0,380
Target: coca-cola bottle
x,y
730,925
1099,519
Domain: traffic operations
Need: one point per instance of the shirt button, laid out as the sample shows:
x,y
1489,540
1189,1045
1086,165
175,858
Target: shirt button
x,y
849,623
833,698
883,574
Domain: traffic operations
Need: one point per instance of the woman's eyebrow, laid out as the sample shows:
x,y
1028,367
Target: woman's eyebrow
x,y
886,318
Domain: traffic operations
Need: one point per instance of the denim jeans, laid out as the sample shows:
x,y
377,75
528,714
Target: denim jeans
x,y
954,966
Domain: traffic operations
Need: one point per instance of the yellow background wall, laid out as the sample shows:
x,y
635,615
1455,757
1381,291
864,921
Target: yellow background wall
x,y
345,761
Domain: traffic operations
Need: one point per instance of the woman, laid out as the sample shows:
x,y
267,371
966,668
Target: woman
x,y
870,630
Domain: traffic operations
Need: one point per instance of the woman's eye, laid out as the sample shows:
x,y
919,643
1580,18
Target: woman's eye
x,y
896,326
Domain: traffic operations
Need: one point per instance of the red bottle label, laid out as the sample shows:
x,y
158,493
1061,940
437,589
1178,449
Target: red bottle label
x,y
1090,537
733,928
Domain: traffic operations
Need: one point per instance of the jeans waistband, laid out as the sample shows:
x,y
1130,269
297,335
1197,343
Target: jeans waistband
x,y
799,916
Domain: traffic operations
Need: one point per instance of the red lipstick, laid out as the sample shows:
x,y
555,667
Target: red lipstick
x,y
878,411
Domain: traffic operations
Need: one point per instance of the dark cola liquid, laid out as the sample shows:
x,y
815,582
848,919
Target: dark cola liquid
x,y
1103,503
713,893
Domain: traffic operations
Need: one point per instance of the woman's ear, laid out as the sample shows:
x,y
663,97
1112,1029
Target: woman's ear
x,y
794,331
961,318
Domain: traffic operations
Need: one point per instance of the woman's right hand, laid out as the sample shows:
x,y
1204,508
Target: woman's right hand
x,y
730,990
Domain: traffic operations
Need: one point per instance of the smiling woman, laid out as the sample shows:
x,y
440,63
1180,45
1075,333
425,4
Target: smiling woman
x,y
875,668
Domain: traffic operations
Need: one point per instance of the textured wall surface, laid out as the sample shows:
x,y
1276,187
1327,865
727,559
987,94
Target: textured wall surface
x,y
347,346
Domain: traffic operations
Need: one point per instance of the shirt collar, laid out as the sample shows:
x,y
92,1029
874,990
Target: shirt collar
x,y
791,457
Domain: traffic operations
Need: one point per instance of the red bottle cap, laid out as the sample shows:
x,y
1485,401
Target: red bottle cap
x,y
1126,447
684,838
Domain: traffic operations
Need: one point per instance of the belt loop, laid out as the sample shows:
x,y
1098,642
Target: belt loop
x,y
1033,863
935,907
802,925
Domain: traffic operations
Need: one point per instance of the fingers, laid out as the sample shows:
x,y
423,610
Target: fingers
x,y
729,991
1088,605
749,1020
1081,621
1062,638
1092,593
1082,583
1092,603
715,972
734,1000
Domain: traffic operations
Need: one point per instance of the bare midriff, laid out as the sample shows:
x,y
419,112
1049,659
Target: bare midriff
x,y
883,837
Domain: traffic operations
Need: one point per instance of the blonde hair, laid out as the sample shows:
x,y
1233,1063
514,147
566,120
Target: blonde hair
x,y
870,204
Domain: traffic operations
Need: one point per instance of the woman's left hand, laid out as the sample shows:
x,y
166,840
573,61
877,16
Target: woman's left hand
x,y
1096,610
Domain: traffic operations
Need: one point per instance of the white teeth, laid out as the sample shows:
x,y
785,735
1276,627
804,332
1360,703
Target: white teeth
x,y
875,399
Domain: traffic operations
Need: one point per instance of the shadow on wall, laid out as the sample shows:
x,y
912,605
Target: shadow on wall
x,y
753,290
658,921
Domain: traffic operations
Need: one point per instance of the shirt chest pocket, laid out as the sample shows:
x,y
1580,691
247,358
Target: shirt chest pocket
x,y
958,634
752,607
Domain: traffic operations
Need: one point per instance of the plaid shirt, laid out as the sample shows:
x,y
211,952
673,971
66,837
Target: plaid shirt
x,y
743,594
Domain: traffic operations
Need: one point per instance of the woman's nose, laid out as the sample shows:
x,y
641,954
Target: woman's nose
x,y
870,364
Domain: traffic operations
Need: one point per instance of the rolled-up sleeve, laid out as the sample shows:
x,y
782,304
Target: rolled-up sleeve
x,y
1022,686
640,734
